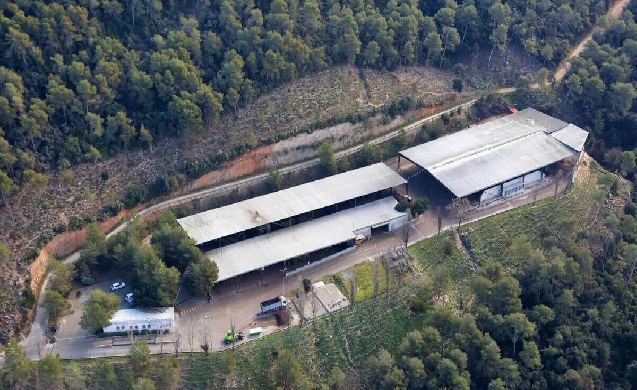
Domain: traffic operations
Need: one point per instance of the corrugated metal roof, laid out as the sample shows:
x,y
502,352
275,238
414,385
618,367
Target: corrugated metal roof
x,y
539,119
496,151
572,136
148,314
280,205
488,168
262,251
481,137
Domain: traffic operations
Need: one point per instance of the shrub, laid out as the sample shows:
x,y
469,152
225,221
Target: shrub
x,y
135,195
457,85
402,206
418,306
448,248
614,188
307,285
419,206
76,222
28,299
445,118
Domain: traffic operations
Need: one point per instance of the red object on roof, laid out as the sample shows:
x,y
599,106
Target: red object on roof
x,y
513,110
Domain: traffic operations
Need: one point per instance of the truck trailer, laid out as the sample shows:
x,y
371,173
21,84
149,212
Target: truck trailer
x,y
278,303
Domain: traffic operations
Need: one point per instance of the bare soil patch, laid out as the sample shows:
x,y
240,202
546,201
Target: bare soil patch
x,y
248,163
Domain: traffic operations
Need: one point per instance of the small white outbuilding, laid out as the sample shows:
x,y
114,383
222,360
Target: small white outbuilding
x,y
147,319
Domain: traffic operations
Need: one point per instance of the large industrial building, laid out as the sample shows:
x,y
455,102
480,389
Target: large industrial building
x,y
498,158
312,220
486,162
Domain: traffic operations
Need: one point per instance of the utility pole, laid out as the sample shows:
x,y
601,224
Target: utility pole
x,y
283,271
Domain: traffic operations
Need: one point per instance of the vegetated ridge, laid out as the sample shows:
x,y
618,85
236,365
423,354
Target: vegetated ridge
x,y
81,81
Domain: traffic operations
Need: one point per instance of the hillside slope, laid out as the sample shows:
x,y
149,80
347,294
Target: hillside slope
x,y
580,221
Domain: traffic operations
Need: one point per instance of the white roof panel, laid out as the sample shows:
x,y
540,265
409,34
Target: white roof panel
x,y
572,136
277,206
481,137
497,165
262,251
148,314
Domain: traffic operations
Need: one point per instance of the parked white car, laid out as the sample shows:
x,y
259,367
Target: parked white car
x,y
117,286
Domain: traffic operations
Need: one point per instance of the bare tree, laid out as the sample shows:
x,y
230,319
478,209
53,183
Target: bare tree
x,y
176,336
386,257
232,326
352,291
190,335
161,340
405,230
349,276
439,217
314,307
558,176
458,207
376,275
300,303
205,337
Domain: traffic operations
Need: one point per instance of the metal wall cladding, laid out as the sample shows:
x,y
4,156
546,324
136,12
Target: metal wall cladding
x,y
533,177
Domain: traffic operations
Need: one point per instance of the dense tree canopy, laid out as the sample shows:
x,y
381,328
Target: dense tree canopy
x,y
81,80
98,310
598,93
561,315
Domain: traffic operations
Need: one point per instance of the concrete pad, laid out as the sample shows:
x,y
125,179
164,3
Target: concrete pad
x,y
331,298
309,306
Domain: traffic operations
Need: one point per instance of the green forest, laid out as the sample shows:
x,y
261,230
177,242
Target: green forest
x,y
598,93
543,296
83,79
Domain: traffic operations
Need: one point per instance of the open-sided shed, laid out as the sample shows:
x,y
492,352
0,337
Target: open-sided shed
x,y
498,157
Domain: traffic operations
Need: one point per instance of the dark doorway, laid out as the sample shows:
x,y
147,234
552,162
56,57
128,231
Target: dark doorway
x,y
380,229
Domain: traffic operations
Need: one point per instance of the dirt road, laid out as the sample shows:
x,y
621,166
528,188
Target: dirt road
x,y
615,11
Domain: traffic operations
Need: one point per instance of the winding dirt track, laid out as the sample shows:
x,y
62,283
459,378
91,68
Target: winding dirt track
x,y
615,11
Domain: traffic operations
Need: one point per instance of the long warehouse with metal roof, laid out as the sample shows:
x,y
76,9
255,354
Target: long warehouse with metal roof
x,y
280,206
309,237
500,157
325,215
